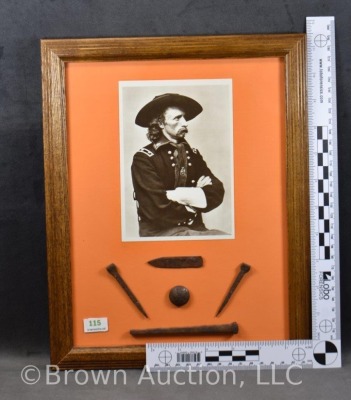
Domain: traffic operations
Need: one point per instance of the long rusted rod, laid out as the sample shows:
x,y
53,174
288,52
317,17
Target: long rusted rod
x,y
228,329
112,269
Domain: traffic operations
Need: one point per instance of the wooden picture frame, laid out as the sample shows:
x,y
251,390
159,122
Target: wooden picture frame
x,y
55,55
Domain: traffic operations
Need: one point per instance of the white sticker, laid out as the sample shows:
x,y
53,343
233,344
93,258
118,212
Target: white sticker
x,y
92,325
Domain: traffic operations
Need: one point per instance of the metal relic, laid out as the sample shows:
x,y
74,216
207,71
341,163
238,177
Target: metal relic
x,y
177,262
112,269
227,329
244,268
179,295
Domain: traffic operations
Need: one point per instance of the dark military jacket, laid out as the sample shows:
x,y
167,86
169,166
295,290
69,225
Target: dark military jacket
x,y
153,172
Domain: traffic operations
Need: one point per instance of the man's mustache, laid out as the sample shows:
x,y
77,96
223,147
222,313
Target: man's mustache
x,y
183,130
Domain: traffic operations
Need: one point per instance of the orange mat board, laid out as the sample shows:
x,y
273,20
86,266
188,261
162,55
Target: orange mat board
x,y
260,304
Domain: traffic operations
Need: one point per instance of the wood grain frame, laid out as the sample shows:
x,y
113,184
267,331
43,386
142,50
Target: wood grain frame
x,y
55,54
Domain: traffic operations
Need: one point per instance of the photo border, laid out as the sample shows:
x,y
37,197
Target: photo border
x,y
55,54
201,82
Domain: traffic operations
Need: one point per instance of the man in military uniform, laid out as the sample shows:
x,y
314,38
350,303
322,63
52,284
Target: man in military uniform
x,y
172,184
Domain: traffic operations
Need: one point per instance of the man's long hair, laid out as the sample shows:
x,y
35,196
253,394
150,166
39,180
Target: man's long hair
x,y
154,130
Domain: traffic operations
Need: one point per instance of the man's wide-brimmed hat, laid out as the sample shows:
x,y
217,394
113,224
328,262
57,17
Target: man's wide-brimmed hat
x,y
159,104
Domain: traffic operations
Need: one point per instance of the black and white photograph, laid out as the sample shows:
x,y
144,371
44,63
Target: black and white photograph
x,y
177,159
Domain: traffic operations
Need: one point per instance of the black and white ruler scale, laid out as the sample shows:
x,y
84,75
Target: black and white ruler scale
x,y
324,350
322,122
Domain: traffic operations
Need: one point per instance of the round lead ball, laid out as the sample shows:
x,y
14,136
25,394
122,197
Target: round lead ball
x,y
179,295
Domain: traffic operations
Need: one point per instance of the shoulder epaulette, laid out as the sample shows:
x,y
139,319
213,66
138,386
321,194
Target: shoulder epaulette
x,y
146,152
194,150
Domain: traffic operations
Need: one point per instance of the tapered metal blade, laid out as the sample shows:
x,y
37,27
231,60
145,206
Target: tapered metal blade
x,y
177,262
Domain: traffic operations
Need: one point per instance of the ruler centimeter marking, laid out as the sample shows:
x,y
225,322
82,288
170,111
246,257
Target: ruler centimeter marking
x,y
324,350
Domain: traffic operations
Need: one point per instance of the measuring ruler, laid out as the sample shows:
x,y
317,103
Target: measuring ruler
x,y
323,177
323,351
243,355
